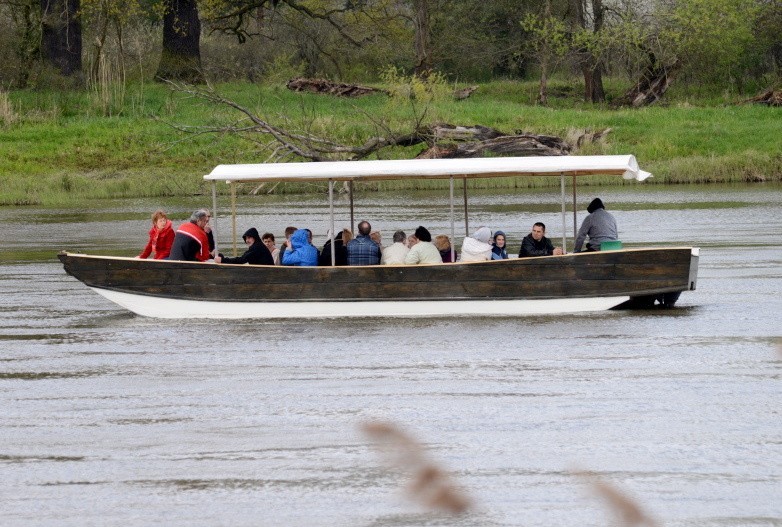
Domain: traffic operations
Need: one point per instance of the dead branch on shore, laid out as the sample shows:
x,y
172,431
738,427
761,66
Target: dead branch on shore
x,y
654,82
441,140
331,88
464,93
769,97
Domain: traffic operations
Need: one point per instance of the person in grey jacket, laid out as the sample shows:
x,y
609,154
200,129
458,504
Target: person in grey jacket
x,y
599,226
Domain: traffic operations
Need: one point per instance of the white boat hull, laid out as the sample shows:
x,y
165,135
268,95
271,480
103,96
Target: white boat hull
x,y
151,306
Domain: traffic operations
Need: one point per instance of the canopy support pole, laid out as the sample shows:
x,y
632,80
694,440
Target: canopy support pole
x,y
575,219
233,215
214,213
331,214
350,191
564,219
453,226
466,219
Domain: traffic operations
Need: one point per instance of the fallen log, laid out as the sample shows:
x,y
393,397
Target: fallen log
x,y
769,97
654,82
330,88
464,93
507,145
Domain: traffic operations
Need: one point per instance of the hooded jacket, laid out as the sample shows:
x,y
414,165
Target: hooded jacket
x,y
256,254
476,248
496,252
160,242
301,252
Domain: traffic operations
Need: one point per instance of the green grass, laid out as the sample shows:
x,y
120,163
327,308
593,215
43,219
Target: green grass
x,y
59,149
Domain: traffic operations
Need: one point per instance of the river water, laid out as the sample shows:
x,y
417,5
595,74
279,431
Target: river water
x,y
113,419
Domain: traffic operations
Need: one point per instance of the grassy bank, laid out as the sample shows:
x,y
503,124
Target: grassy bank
x,y
62,147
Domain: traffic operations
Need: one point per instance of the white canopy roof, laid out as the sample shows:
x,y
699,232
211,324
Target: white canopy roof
x,y
624,165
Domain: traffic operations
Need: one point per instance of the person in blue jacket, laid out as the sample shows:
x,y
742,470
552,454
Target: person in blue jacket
x,y
300,251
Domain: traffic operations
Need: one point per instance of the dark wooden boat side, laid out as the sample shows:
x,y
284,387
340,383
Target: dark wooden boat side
x,y
630,272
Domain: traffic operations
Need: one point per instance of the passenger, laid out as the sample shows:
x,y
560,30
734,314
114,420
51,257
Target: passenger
x,y
599,226
362,250
498,249
288,232
268,241
300,251
443,244
309,240
340,251
161,236
377,238
191,242
476,248
395,253
536,244
256,254
423,252
411,240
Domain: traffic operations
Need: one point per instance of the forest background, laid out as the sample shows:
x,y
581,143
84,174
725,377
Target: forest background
x,y
132,98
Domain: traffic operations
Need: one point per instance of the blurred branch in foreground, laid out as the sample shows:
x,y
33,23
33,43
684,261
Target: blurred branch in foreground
x,y
627,510
430,484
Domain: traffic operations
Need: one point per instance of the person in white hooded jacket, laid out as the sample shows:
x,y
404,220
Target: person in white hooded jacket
x,y
476,248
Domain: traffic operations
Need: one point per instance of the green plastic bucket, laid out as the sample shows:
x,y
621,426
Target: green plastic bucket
x,y
611,246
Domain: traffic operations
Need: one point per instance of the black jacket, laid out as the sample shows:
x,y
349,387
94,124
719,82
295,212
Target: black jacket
x,y
256,254
340,255
530,247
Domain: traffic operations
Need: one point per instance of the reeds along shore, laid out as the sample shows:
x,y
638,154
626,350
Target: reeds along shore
x,y
62,147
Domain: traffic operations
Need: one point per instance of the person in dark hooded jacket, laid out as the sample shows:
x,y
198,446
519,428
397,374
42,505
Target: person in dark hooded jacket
x,y
256,253
300,251
341,252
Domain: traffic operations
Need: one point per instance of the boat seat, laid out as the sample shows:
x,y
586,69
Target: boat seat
x,y
611,246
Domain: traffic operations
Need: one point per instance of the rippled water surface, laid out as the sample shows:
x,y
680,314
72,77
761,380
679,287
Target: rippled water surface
x,y
113,419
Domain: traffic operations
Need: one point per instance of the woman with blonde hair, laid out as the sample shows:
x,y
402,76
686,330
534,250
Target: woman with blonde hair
x,y
443,244
161,237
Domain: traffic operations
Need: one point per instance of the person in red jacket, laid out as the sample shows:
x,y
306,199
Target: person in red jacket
x,y
161,237
191,241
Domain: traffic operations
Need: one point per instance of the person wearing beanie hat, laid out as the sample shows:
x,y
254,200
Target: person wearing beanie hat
x,y
476,248
423,252
256,254
599,227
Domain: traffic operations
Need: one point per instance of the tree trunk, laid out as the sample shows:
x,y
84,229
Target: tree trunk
x,y
593,80
181,57
654,82
591,66
29,47
423,38
61,35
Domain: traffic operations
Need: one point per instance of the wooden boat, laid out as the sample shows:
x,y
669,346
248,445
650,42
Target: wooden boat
x,y
553,284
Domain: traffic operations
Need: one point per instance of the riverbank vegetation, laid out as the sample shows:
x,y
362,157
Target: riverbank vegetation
x,y
667,82
58,147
